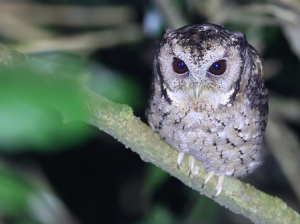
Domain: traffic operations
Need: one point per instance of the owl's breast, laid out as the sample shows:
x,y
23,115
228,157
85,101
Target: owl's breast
x,y
226,141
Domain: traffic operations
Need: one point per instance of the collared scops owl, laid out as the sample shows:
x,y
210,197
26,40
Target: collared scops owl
x,y
208,99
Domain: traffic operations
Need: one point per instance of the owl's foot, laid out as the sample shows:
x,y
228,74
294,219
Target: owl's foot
x,y
191,164
180,157
210,174
207,177
192,161
219,186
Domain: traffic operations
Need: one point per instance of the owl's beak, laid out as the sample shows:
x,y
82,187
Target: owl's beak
x,y
198,87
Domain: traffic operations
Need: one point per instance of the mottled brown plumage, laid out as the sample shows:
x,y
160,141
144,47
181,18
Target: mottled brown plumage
x,y
218,119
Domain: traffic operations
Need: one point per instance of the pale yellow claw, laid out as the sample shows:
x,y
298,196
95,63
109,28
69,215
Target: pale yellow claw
x,y
180,157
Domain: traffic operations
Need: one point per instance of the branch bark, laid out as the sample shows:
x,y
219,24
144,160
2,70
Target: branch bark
x,y
118,121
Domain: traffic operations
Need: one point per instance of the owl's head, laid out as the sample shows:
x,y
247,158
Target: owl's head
x,y
205,64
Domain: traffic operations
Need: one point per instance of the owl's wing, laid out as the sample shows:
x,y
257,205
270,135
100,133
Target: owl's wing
x,y
256,90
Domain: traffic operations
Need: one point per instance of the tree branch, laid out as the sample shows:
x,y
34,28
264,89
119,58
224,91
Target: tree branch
x,y
119,121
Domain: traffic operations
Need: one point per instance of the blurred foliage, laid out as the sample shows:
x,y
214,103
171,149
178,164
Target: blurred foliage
x,y
159,215
27,108
14,193
29,98
154,178
25,198
198,208
115,86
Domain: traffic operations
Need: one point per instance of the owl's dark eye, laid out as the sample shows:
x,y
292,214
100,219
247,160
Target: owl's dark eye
x,y
218,67
179,66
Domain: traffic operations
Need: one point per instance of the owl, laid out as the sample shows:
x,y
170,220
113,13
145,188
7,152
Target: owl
x,y
208,99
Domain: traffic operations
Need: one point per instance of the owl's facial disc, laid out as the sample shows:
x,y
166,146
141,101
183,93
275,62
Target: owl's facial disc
x,y
218,68
205,64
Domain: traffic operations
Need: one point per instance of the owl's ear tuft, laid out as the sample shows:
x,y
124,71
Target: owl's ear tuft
x,y
166,32
164,36
257,62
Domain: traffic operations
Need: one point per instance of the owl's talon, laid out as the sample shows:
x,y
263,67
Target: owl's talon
x,y
180,157
219,186
207,177
191,164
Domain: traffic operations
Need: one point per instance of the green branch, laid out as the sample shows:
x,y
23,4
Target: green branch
x,y
119,121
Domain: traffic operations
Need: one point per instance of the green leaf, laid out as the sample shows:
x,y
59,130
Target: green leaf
x,y
116,86
159,215
28,98
13,194
154,178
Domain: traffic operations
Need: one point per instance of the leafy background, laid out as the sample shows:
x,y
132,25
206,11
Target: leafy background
x,y
55,171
